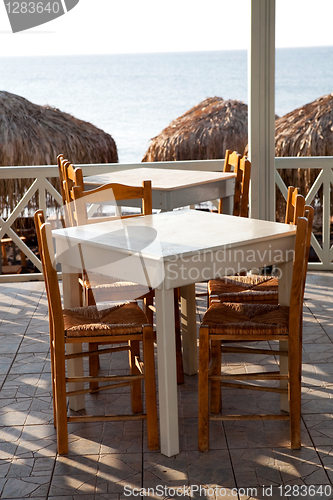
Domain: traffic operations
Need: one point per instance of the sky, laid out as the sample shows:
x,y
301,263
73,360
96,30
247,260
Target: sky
x,y
118,26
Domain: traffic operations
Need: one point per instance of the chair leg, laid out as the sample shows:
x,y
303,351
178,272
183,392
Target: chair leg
x,y
88,299
179,355
150,388
136,392
93,366
295,390
203,386
4,254
215,386
61,402
23,259
53,376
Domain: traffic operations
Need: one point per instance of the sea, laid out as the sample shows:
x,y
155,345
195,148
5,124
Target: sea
x,y
134,97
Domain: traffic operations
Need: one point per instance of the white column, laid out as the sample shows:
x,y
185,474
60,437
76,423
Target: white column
x,y
261,127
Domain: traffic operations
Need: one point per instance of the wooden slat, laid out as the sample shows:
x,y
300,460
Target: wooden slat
x,y
97,351
105,378
105,418
102,338
248,338
254,387
251,376
251,350
249,417
98,389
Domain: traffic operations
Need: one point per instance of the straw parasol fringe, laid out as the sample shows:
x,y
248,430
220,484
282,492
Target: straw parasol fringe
x,y
203,132
34,135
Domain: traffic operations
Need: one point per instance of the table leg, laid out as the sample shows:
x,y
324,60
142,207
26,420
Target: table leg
x,y
189,329
166,368
228,205
71,296
286,272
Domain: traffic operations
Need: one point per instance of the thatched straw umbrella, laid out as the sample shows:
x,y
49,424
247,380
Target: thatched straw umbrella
x,y
203,132
35,135
306,131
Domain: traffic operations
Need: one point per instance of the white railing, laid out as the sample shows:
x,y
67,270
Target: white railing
x,y
44,189
42,186
324,179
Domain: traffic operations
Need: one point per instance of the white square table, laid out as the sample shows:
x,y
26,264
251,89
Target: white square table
x,y
174,249
174,188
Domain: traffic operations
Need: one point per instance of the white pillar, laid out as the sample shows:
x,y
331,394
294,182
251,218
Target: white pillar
x,y
262,109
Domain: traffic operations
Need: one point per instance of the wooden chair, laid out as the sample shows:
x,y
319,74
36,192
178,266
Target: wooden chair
x,y
241,322
126,324
95,288
256,289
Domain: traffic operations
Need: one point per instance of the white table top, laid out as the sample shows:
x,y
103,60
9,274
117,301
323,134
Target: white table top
x,y
161,178
162,245
181,232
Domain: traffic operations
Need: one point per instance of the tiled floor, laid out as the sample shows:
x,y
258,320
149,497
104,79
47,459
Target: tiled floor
x,y
248,459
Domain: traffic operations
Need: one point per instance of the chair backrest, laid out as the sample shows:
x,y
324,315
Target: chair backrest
x,y
60,161
231,161
302,246
110,193
295,206
234,162
241,199
69,176
45,245
309,214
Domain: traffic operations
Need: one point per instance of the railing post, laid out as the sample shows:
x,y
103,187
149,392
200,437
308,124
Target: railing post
x,y
326,217
41,194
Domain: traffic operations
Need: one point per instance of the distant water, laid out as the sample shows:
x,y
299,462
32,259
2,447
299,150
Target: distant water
x,y
134,96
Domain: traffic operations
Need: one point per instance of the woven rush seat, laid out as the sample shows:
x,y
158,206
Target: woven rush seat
x,y
113,289
256,289
245,289
89,321
240,319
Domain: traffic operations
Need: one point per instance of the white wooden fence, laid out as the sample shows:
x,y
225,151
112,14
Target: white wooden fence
x,y
324,179
41,185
